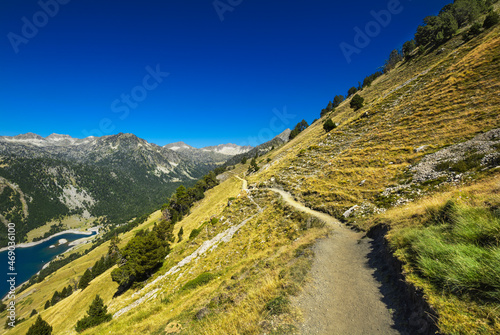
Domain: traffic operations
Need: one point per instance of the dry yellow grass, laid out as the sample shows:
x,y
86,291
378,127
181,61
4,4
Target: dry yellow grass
x,y
454,95
214,202
249,272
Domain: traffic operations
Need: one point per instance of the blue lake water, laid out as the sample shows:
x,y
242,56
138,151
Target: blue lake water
x,y
32,259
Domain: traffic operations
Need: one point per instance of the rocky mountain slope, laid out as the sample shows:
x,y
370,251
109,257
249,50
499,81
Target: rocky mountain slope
x,y
261,149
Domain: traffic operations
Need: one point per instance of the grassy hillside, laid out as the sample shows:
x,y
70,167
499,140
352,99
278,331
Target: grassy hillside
x,y
252,251
258,264
436,99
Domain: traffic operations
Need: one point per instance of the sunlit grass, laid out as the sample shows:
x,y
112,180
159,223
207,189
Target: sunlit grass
x,y
450,246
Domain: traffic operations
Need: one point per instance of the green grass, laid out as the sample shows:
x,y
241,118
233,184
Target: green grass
x,y
458,252
278,305
469,163
201,280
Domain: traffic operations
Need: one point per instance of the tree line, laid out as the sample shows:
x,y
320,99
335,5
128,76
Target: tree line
x,y
434,31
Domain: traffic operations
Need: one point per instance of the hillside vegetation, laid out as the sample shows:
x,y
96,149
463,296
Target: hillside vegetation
x,y
419,159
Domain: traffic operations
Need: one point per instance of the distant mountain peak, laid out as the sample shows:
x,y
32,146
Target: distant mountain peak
x,y
56,137
28,136
178,146
228,149
285,135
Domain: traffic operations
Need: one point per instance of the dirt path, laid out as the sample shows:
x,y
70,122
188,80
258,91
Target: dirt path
x,y
244,186
343,297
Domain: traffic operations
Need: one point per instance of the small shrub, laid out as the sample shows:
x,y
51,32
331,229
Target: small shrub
x,y
181,232
40,327
96,314
474,30
443,166
201,280
357,102
194,233
491,20
468,163
329,125
278,305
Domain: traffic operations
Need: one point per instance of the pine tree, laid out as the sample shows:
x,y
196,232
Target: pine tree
x,y
69,291
357,102
113,245
329,125
299,128
85,280
47,304
99,267
337,100
64,293
491,20
33,312
408,48
253,166
40,327
181,232
96,314
143,254
352,91
55,298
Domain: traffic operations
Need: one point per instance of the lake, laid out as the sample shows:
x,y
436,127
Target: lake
x,y
30,260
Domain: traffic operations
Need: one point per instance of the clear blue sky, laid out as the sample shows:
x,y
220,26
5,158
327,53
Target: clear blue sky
x,y
225,77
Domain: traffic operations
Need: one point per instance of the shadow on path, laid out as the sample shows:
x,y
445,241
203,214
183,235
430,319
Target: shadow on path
x,y
411,314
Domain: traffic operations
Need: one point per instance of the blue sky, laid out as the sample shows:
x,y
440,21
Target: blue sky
x,y
172,70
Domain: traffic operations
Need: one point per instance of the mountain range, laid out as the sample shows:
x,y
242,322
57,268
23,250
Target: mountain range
x,y
48,178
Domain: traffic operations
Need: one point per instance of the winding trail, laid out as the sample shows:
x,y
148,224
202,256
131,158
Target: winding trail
x,y
343,296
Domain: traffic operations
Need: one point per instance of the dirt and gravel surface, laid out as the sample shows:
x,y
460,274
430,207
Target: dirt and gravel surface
x,y
343,296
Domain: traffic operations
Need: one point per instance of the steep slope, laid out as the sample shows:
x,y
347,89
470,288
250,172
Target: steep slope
x,y
245,254
436,99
